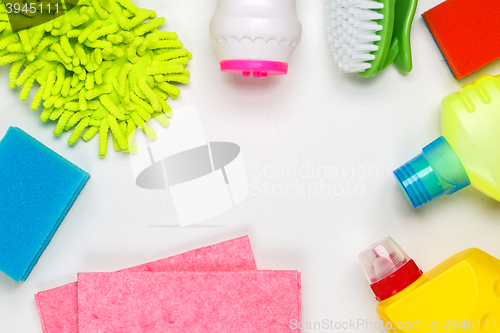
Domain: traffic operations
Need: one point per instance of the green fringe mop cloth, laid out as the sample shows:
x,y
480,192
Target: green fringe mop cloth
x,y
101,68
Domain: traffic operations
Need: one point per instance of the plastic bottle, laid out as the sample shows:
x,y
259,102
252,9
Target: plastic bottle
x,y
255,37
468,151
460,294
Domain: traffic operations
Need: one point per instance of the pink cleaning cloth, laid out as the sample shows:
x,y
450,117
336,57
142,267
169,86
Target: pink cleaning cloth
x,y
58,308
193,302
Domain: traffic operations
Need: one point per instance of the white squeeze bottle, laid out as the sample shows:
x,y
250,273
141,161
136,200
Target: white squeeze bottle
x,y
255,37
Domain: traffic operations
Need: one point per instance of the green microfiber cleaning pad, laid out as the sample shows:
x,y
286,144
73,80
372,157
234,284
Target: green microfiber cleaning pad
x,y
38,187
103,67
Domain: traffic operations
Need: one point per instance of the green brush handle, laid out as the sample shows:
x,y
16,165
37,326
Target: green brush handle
x,y
400,49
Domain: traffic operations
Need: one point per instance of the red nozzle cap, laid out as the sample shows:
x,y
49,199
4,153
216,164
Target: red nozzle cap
x,y
388,268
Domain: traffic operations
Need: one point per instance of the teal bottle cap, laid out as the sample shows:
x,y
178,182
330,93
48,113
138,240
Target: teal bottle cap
x,y
434,172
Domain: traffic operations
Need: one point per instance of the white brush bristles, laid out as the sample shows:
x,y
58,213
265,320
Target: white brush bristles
x,y
352,27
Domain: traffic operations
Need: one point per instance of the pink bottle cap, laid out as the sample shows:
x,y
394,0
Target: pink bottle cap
x,y
257,68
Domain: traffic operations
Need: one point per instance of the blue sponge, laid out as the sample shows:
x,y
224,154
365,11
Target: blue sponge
x,y
37,189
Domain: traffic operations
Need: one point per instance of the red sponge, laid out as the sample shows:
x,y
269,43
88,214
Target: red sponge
x,y
467,32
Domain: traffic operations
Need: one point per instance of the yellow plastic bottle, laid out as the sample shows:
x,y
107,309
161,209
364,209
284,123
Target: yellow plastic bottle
x,y
468,151
462,294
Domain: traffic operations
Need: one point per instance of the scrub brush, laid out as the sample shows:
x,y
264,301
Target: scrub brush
x,y
366,36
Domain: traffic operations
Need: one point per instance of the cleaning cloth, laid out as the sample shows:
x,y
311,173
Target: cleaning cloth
x,y
58,308
194,302
38,187
102,67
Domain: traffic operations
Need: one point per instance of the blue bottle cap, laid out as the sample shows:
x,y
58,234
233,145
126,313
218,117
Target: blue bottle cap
x,y
434,172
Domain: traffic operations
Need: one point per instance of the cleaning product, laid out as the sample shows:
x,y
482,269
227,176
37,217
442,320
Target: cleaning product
x,y
195,302
366,36
466,32
58,308
467,153
462,293
255,37
100,67
38,188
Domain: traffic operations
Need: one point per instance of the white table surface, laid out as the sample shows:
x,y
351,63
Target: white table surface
x,y
313,117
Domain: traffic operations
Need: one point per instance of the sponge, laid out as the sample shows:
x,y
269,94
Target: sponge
x,y
38,187
467,33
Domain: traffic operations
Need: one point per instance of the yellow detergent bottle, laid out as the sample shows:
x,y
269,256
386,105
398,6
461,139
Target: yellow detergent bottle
x,y
460,295
468,152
